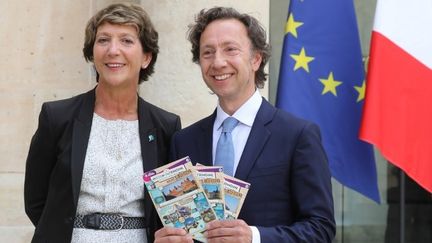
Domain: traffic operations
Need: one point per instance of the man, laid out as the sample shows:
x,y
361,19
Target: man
x,y
281,156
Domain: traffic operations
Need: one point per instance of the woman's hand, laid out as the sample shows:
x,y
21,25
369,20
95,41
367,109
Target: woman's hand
x,y
174,235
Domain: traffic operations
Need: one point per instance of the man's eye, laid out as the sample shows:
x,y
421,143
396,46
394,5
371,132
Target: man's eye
x,y
232,50
206,53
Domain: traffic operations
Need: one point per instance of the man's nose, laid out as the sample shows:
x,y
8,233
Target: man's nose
x,y
219,60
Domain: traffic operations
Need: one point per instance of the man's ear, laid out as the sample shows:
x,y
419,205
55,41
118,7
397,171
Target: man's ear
x,y
256,60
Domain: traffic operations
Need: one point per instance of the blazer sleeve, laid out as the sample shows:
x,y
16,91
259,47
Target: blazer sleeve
x,y
311,194
40,162
173,151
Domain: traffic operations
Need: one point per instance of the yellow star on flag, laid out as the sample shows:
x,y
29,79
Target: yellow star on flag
x,y
330,84
361,91
302,60
291,25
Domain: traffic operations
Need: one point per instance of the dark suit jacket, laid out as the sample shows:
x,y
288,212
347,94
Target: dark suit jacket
x,y
56,159
290,198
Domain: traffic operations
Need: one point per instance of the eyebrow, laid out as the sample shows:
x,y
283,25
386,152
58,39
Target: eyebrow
x,y
226,43
121,35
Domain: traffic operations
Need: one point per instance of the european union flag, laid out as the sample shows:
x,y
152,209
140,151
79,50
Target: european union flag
x,y
322,80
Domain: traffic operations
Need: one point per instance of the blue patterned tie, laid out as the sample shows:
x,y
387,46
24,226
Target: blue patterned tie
x,y
225,148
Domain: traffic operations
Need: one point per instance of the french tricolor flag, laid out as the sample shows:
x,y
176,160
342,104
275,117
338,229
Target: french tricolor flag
x,y
397,114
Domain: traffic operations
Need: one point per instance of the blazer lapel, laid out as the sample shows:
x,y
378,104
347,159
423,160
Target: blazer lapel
x,y
149,153
258,137
148,136
80,139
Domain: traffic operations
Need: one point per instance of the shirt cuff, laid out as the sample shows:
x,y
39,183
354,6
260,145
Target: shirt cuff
x,y
256,237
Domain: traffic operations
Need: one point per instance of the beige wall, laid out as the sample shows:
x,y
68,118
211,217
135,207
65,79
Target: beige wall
x,y
41,60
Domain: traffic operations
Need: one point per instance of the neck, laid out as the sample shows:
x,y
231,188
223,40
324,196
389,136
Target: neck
x,y
116,104
231,106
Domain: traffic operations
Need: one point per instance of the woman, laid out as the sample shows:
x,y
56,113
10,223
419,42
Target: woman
x,y
83,180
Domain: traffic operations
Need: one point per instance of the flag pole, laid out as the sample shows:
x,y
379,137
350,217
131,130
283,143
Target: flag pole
x,y
402,206
343,214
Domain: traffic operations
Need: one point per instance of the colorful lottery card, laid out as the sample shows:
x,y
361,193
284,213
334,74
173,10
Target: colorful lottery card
x,y
178,196
211,178
235,193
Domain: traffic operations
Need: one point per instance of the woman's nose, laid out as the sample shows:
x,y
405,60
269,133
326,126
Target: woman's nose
x,y
113,48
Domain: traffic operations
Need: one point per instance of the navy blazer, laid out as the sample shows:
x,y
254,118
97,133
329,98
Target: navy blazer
x,y
290,198
55,162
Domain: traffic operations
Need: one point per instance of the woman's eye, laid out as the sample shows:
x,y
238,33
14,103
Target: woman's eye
x,y
102,40
128,41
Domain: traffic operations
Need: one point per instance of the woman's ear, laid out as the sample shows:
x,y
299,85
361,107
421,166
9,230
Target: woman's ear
x,y
147,56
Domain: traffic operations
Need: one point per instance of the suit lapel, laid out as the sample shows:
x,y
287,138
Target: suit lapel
x,y
258,137
205,141
80,139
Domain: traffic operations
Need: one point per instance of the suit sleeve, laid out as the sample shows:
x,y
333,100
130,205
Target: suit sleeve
x,y
311,194
40,161
177,124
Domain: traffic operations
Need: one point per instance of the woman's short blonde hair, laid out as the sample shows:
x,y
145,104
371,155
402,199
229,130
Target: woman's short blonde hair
x,y
125,14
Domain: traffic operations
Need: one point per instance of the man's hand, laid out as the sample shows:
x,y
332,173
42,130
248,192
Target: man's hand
x,y
228,231
171,234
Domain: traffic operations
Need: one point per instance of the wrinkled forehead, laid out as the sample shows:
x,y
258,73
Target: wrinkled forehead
x,y
223,32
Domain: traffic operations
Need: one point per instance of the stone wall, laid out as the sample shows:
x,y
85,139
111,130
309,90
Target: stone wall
x,y
41,43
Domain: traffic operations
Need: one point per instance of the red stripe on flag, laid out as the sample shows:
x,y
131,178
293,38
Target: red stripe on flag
x,y
397,115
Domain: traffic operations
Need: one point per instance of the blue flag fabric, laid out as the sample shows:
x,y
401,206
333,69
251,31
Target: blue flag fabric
x,y
322,80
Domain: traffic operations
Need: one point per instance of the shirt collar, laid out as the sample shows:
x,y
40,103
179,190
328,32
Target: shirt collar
x,y
245,114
